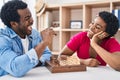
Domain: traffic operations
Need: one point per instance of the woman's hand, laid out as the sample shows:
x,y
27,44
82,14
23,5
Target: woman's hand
x,y
62,57
98,37
91,62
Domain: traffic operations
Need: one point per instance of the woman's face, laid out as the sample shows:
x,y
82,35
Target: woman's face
x,y
96,26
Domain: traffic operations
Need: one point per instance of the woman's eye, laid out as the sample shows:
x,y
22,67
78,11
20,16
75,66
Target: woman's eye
x,y
98,27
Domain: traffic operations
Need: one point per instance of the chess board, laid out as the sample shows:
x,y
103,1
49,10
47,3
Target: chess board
x,y
54,67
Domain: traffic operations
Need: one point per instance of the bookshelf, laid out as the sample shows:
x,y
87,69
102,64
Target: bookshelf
x,y
65,13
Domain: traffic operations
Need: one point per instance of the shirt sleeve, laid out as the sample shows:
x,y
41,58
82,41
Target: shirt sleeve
x,y
32,56
16,65
46,56
112,45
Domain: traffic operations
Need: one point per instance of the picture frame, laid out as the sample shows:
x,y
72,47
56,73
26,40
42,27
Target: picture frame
x,y
76,24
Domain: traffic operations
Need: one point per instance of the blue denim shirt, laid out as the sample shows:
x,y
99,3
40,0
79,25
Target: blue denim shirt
x,y
13,60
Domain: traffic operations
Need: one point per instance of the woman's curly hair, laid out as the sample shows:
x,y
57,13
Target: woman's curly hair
x,y
112,22
9,11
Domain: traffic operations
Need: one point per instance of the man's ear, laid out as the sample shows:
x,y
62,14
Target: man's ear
x,y
13,24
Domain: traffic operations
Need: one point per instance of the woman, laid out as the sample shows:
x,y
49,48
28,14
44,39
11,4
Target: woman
x,y
97,46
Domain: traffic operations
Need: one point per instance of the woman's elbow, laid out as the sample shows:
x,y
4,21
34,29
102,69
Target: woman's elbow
x,y
116,67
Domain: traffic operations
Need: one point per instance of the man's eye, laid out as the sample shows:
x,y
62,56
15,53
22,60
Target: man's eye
x,y
92,22
27,19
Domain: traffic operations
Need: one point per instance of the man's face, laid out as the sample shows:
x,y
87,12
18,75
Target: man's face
x,y
96,26
24,28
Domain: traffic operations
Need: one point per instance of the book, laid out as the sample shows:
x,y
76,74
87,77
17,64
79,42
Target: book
x,y
48,19
116,12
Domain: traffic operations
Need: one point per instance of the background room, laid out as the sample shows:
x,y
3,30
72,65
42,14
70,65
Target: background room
x,y
68,17
73,16
25,56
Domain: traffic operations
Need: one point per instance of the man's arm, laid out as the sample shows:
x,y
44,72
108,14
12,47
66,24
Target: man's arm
x,y
66,51
16,65
45,56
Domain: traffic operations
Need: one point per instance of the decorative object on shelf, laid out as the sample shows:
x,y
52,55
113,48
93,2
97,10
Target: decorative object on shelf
x,y
55,24
40,7
76,24
116,12
48,19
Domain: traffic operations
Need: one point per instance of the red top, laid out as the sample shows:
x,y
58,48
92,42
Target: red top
x,y
81,43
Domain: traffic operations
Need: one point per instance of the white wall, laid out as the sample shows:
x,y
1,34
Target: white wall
x,y
31,4
1,4
1,24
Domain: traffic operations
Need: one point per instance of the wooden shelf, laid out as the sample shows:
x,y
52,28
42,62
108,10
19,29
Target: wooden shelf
x,y
74,30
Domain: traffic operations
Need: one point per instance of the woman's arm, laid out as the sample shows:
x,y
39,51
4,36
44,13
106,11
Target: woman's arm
x,y
66,51
112,59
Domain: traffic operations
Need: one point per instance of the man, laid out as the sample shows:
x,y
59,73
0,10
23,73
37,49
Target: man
x,y
22,47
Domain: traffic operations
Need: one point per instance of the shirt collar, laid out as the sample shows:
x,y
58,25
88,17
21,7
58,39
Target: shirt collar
x,y
9,32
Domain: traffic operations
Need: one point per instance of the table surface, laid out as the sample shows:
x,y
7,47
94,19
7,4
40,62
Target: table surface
x,y
92,73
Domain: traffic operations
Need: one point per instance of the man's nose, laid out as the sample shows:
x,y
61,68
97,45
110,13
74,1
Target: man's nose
x,y
31,21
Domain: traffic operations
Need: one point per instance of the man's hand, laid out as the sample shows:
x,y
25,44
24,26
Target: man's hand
x,y
47,35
